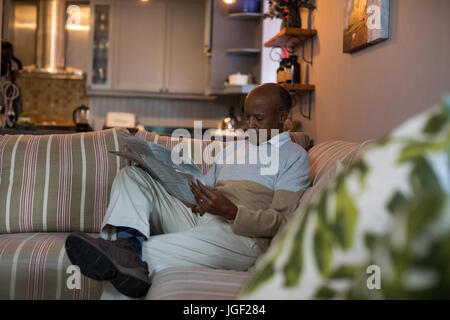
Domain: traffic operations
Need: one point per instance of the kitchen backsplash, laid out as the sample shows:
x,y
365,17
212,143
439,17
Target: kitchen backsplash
x,y
51,99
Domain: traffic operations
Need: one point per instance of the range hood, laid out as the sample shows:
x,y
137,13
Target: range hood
x,y
51,40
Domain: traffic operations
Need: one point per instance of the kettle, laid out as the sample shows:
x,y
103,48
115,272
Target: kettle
x,y
81,117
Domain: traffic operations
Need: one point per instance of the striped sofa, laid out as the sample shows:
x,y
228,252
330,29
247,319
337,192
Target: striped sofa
x,y
53,185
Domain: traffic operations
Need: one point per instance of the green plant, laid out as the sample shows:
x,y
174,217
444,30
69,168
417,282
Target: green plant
x,y
281,8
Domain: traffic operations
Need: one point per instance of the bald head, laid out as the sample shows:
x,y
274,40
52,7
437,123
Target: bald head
x,y
267,107
273,95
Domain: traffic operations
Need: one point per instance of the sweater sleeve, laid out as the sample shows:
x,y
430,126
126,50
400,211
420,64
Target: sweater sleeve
x,y
292,181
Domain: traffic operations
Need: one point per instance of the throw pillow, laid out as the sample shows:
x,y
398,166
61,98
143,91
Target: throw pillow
x,y
56,183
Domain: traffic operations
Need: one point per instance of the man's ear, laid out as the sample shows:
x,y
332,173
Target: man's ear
x,y
283,116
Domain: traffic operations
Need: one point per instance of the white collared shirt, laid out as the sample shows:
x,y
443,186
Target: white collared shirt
x,y
279,139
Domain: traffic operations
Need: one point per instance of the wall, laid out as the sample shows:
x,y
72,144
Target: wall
x,y
366,94
269,56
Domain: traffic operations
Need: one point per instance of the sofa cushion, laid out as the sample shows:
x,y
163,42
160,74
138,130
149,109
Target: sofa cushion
x,y
198,147
33,266
194,283
323,156
388,212
330,165
56,183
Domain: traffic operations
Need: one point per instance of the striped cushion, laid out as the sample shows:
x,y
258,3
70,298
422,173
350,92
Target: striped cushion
x,y
56,183
33,267
323,156
193,283
169,142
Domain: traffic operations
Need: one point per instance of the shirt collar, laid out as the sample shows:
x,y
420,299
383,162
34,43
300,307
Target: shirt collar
x,y
279,139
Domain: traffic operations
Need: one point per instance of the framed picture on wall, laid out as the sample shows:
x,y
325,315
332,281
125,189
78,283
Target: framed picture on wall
x,y
366,22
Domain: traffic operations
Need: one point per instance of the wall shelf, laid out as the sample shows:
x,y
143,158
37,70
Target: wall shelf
x,y
290,37
245,16
244,51
143,94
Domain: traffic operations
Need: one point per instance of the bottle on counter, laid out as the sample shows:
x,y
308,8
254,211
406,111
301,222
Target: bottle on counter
x,y
294,70
281,71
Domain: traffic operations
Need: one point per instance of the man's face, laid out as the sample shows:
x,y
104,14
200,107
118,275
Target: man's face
x,y
262,112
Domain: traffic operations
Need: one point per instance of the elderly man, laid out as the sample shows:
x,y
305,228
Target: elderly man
x,y
243,209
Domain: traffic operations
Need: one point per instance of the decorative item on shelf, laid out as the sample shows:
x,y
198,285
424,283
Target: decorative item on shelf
x,y
243,5
294,70
366,23
288,11
281,72
289,70
239,79
284,65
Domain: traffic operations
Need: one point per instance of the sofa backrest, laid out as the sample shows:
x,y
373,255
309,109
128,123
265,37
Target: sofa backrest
x,y
324,156
300,138
57,183
324,160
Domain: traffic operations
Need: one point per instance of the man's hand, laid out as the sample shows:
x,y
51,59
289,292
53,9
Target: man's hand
x,y
213,201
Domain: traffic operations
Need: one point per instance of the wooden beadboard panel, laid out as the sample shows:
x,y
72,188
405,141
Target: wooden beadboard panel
x,y
166,112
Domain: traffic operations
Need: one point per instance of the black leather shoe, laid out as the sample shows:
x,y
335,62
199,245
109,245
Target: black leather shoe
x,y
117,261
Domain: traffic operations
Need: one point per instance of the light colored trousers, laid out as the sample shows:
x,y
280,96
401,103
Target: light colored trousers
x,y
176,236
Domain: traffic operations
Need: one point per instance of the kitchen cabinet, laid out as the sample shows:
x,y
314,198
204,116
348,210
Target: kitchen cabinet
x,y
139,49
153,47
185,61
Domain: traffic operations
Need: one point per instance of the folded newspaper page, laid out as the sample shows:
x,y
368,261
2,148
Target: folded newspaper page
x,y
157,161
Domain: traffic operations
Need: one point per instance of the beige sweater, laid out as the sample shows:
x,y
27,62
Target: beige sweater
x,y
264,201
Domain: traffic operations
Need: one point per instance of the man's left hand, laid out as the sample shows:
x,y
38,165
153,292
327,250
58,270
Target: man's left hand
x,y
213,201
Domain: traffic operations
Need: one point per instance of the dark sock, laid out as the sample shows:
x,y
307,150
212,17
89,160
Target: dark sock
x,y
136,238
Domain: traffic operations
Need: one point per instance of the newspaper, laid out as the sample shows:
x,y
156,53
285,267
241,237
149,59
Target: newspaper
x,y
157,161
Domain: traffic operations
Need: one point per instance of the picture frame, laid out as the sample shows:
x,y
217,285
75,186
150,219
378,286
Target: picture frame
x,y
366,22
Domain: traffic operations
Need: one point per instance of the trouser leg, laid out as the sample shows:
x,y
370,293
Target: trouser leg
x,y
179,237
211,244
140,202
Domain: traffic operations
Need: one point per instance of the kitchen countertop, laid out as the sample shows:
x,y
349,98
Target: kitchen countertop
x,y
47,129
38,131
